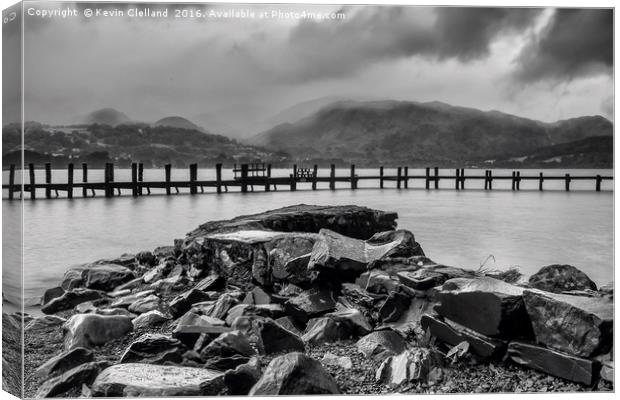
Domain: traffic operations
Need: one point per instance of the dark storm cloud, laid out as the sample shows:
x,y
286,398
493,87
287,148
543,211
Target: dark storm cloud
x,y
375,34
574,43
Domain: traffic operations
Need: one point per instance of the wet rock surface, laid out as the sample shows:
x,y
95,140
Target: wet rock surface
x,y
236,307
559,278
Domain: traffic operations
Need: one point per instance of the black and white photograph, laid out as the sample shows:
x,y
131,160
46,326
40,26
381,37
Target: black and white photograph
x,y
231,199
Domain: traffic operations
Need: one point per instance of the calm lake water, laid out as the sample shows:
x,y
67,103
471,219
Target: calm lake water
x,y
528,229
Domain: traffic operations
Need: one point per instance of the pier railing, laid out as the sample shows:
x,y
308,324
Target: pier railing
x,y
249,176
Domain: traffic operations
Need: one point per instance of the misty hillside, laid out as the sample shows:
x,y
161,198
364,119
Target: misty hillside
x,y
413,133
177,122
122,144
106,116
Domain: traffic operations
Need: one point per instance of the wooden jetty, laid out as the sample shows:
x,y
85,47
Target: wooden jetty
x,y
247,176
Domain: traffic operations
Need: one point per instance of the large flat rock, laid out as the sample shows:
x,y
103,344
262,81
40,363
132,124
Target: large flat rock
x,y
354,221
575,369
486,305
147,380
89,330
578,325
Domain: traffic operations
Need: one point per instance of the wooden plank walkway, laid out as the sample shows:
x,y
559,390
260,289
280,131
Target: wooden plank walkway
x,y
247,176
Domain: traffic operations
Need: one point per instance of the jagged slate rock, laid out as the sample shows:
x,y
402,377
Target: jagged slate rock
x,y
227,345
204,307
172,283
126,301
73,277
85,308
486,305
149,380
409,366
146,304
359,297
70,299
89,330
453,334
226,363
607,371
263,310
393,307
223,304
115,311
51,294
73,378
325,330
401,243
287,323
393,265
410,318
352,318
45,321
336,361
288,257
149,319
211,283
353,221
378,282
310,304
63,362
350,257
240,380
183,302
178,271
381,344
422,279
106,276
163,252
294,374
557,278
154,349
575,369
268,336
191,326
582,326
260,267
127,286
257,296
145,258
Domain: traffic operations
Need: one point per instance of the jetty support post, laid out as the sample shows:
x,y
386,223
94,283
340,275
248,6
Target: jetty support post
x,y
381,177
490,180
332,177
598,183
462,178
108,180
244,178
84,179
406,177
457,179
70,169
567,182
11,181
486,179
514,180
541,179
428,178
167,176
293,182
218,178
315,174
48,180
134,179
33,191
436,178
140,178
518,180
267,177
193,176
353,178
398,177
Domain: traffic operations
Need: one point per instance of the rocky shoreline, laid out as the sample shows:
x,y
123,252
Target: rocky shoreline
x,y
314,300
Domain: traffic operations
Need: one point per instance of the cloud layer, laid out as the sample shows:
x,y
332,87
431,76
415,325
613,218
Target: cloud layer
x,y
237,73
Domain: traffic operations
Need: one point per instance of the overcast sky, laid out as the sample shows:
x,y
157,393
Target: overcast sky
x,y
546,64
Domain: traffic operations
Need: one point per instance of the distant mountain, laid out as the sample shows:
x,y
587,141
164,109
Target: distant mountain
x,y
178,122
303,110
411,133
106,116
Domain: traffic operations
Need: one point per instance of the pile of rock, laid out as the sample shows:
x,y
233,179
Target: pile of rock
x,y
564,330
272,285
